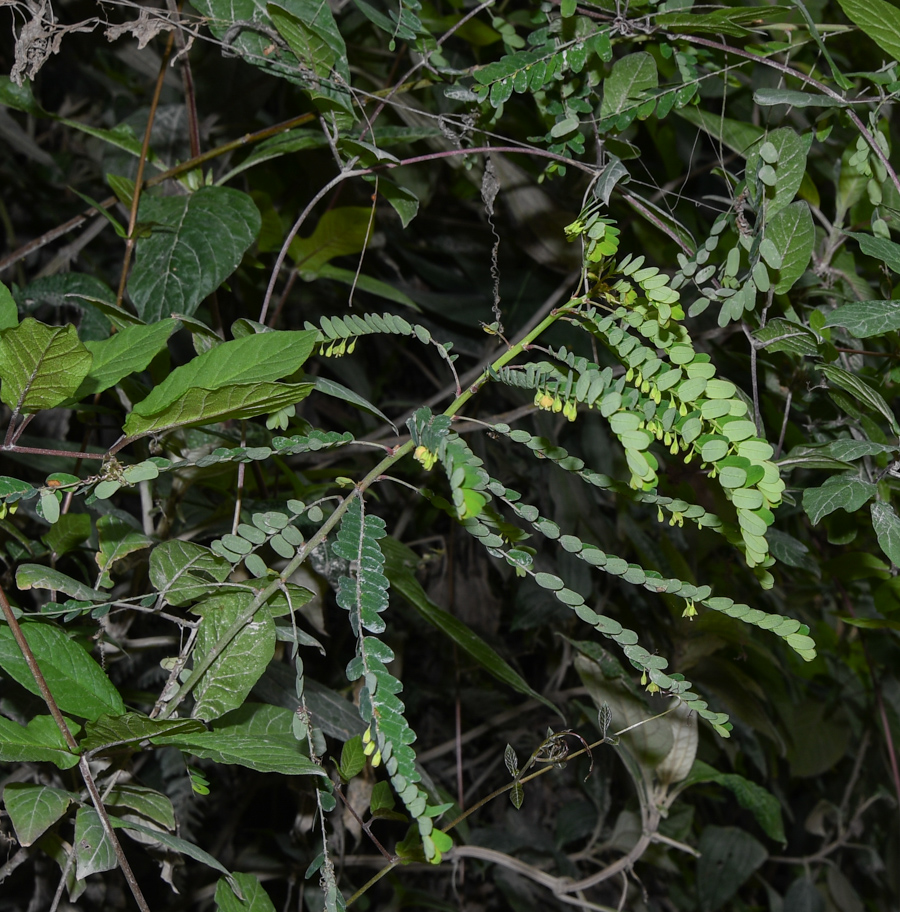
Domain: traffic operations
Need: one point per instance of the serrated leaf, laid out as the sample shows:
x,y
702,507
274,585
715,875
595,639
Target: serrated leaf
x,y
40,740
40,366
239,662
631,76
257,736
127,352
183,572
255,898
94,850
791,231
865,319
76,681
132,728
197,242
877,19
34,808
200,406
844,492
339,232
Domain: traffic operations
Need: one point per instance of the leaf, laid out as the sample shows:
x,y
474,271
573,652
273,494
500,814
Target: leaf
x,y
77,682
339,391
255,897
845,492
631,76
764,806
36,576
9,312
796,99
238,663
94,850
69,531
34,808
237,403
677,764
368,284
399,561
40,366
793,234
404,202
886,524
864,319
132,728
737,135
339,232
791,150
261,357
861,391
877,19
353,760
728,856
256,736
39,740
128,351
116,539
803,896
197,242
183,572
146,801
728,21
880,248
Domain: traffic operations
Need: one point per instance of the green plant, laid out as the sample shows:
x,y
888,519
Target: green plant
x,y
215,451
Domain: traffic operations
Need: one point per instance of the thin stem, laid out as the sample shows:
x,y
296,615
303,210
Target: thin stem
x,y
83,766
142,161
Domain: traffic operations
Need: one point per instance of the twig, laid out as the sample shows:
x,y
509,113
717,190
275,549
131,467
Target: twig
x,y
83,766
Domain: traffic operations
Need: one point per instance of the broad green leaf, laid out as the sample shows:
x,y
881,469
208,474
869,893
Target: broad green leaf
x,y
239,663
40,366
19,97
840,492
368,284
117,539
94,850
625,86
69,531
34,808
886,524
791,150
77,682
728,857
201,406
851,450
399,561
94,298
292,141
793,234
737,135
339,232
736,22
146,801
761,803
197,242
131,728
257,736
404,202
861,390
880,248
9,312
128,351
40,740
36,576
877,19
864,319
183,572
353,759
261,357
796,99
255,897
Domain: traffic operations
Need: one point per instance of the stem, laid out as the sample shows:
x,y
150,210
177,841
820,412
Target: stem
x,y
83,765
